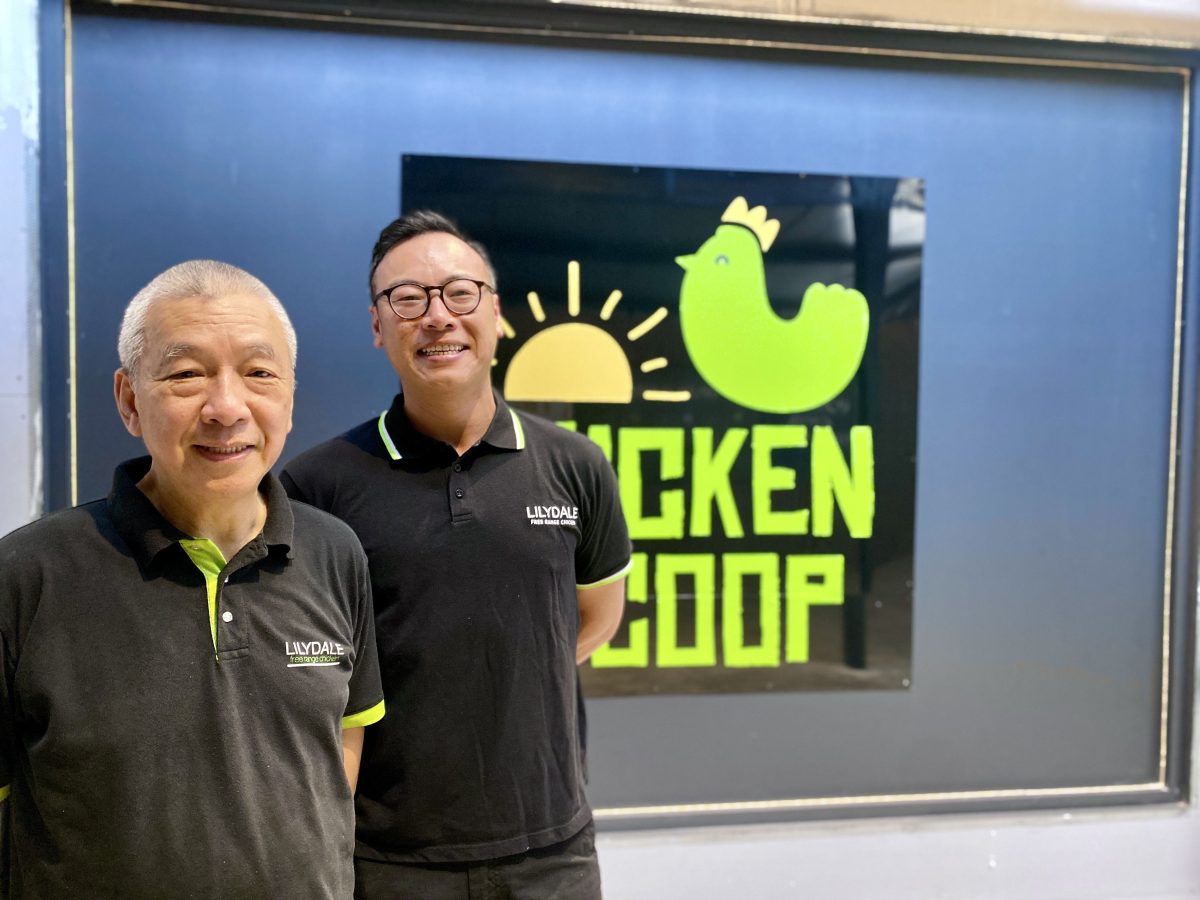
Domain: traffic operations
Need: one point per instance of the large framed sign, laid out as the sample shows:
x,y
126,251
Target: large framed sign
x,y
743,346
786,513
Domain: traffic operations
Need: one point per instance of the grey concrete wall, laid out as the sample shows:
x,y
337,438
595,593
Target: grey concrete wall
x,y
20,385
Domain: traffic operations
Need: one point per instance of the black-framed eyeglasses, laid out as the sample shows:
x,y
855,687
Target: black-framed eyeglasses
x,y
410,299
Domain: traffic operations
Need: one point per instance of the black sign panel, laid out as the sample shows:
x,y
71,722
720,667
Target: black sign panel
x,y
744,348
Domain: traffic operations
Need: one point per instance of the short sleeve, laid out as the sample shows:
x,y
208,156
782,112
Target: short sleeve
x,y
7,725
7,761
365,703
9,594
604,551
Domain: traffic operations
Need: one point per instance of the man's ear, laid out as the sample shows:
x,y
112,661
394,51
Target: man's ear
x,y
376,328
126,399
496,309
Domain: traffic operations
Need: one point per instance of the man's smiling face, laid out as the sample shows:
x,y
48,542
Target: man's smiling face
x,y
439,351
212,396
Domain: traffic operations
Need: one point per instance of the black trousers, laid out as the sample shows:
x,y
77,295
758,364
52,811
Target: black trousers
x,y
566,871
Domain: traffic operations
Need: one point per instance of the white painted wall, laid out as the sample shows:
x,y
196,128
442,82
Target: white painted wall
x,y
20,363
1125,854
1109,855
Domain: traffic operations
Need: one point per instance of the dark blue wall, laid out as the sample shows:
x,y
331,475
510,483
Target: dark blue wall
x,y
1048,311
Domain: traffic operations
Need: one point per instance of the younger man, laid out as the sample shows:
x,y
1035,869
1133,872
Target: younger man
x,y
483,610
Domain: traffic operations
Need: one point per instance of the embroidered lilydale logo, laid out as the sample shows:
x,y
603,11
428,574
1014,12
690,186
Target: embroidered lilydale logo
x,y
313,653
552,515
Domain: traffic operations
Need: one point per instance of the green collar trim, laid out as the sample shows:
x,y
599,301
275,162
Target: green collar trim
x,y
208,558
206,555
499,440
387,438
518,430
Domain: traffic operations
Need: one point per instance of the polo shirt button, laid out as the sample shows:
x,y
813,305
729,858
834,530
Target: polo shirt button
x,y
227,616
460,493
458,467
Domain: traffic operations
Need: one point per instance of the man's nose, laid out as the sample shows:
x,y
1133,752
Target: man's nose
x,y
437,315
226,400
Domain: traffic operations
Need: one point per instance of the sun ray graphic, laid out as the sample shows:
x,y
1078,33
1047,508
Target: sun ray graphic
x,y
609,305
577,362
535,306
573,288
651,321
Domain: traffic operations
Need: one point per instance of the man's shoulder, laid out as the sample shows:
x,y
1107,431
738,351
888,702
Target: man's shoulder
x,y
361,443
316,526
67,547
54,533
550,437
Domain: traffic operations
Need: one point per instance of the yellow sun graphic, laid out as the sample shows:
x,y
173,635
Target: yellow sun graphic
x,y
580,363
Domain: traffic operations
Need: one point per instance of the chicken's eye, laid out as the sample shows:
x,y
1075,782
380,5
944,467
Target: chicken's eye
x,y
722,260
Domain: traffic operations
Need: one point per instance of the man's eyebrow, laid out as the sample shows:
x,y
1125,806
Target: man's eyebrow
x,y
176,350
459,276
181,349
266,351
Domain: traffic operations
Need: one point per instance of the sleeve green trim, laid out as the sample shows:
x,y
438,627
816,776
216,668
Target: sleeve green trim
x,y
4,791
387,438
366,717
615,576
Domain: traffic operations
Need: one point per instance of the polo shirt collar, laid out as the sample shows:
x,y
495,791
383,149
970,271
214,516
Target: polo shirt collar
x,y
147,533
401,440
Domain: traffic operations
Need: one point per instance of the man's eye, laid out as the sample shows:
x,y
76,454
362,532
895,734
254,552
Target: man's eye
x,y
261,373
183,375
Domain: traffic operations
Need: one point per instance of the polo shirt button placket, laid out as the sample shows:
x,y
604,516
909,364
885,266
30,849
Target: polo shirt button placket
x,y
232,637
457,484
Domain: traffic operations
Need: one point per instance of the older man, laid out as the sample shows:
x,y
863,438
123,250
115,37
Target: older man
x,y
482,612
187,666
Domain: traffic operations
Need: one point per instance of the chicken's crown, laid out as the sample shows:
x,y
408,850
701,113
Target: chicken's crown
x,y
739,213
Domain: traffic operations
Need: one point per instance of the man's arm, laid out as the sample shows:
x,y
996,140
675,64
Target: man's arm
x,y
366,689
600,610
5,849
352,744
7,765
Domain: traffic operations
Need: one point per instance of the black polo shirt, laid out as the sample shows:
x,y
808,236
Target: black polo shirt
x,y
161,745
475,561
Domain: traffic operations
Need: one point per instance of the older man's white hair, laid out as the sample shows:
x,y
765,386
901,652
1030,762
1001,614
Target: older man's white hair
x,y
205,278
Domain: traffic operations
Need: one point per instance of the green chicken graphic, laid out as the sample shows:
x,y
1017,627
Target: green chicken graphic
x,y
737,342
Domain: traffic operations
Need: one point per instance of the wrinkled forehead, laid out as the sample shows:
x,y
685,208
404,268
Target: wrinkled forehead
x,y
431,258
241,323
